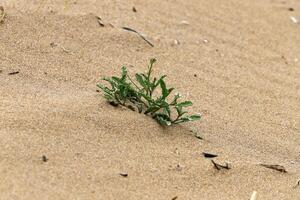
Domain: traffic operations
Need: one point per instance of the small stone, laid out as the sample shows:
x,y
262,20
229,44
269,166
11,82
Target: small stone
x,y
175,42
183,22
294,19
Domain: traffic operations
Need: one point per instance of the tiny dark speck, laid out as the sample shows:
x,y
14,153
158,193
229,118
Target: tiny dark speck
x,y
44,158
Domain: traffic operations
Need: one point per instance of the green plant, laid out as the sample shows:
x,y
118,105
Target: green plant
x,y
140,94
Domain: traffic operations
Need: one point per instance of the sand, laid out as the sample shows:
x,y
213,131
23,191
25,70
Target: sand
x,y
238,61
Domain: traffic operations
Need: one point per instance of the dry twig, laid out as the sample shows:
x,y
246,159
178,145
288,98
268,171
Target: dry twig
x,y
139,34
275,167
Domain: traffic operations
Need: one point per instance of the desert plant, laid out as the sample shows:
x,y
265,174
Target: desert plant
x,y
139,94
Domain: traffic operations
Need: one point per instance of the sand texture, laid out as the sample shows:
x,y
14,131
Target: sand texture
x,y
237,60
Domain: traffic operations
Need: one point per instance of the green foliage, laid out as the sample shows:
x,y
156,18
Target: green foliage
x,y
124,91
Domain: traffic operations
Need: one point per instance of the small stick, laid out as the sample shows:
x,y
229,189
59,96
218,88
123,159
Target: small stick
x,y
13,73
254,195
130,29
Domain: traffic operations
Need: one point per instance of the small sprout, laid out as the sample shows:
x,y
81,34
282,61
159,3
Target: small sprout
x,y
139,94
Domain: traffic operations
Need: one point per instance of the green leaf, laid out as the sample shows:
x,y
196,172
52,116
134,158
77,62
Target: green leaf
x,y
112,83
168,110
141,81
116,79
148,99
187,119
104,89
176,97
179,110
164,90
164,122
159,80
184,104
194,117
109,97
152,109
123,91
163,119
124,73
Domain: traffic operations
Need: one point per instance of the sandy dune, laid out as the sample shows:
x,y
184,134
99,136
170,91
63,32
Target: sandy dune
x,y
237,60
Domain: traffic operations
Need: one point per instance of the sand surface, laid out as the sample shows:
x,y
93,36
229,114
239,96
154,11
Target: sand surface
x,y
237,60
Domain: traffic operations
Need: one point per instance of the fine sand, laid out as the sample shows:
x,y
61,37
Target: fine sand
x,y
237,60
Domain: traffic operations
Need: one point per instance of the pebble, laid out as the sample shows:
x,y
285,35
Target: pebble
x,y
183,22
175,42
294,19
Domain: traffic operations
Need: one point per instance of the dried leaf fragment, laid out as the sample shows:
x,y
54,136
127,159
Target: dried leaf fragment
x,y
219,166
139,34
209,155
99,20
124,174
2,14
